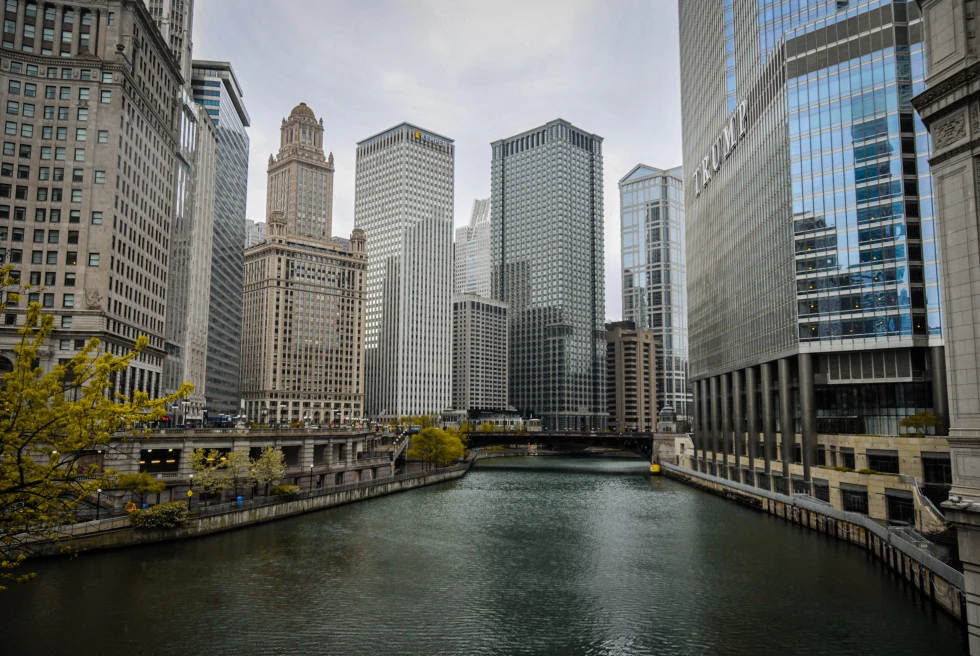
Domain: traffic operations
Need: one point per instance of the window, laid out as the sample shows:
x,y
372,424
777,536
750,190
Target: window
x,y
56,194
13,88
106,96
71,257
66,74
30,11
47,34
66,322
76,195
52,257
83,113
103,136
8,149
96,218
48,300
55,215
112,18
38,236
6,169
20,213
16,256
79,154
59,174
28,110
27,130
83,93
10,127
49,112
69,17
43,173
30,90
100,177
50,278
65,93
9,26
62,113
106,78
47,132
62,134
80,134
70,279
20,193
5,190
18,234
42,193
23,170
50,92
73,236
36,275
45,152
52,73
29,31
77,175
39,215
59,153
68,300
13,107
93,259
66,35
75,216
25,152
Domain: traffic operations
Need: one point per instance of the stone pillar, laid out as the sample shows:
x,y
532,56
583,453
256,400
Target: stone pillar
x,y
726,425
696,420
768,418
787,429
950,109
808,415
752,417
705,423
940,401
715,423
738,422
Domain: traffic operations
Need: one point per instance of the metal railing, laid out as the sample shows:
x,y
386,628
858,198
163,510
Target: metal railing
x,y
923,557
260,502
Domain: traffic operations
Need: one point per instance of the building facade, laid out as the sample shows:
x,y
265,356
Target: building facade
x,y
479,353
87,177
254,233
191,246
175,20
217,90
404,204
302,331
950,108
471,253
631,380
812,266
547,264
655,277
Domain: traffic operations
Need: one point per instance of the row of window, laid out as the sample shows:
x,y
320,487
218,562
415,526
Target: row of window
x,y
54,216
38,257
52,132
28,109
53,236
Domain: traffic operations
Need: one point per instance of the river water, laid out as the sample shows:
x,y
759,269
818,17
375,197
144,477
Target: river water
x,y
567,556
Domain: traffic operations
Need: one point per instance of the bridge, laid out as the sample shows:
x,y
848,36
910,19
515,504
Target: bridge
x,y
651,446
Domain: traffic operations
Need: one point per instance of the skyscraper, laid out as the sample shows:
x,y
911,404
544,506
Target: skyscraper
x,y
216,89
547,250
175,20
654,276
813,277
303,330
94,229
404,204
631,386
471,257
254,232
479,353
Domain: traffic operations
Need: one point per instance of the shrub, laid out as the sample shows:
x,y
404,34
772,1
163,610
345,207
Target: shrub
x,y
165,515
285,491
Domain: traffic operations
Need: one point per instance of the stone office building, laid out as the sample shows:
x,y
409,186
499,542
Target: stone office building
x,y
302,326
480,343
87,176
631,387
813,279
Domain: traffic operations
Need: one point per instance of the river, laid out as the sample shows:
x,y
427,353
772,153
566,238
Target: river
x,y
568,556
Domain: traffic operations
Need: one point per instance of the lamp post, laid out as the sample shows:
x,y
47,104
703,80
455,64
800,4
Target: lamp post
x,y
190,495
98,503
311,478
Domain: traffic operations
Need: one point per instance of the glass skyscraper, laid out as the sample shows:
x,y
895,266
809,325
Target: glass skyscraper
x,y
813,282
547,262
216,88
651,204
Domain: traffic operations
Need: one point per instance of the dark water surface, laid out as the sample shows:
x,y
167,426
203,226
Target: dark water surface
x,y
592,557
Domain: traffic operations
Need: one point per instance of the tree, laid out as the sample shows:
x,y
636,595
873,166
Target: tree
x,y
434,445
141,485
210,474
487,427
51,426
237,465
920,421
269,468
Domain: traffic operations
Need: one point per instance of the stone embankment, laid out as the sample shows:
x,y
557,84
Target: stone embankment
x,y
925,573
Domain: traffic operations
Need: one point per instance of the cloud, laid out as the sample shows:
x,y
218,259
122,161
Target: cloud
x,y
472,70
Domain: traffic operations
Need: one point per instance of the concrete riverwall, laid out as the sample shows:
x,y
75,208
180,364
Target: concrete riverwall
x,y
116,532
928,575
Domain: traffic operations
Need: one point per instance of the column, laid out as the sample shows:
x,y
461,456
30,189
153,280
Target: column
x,y
787,429
726,425
696,420
738,423
752,421
705,423
808,416
940,400
715,424
768,419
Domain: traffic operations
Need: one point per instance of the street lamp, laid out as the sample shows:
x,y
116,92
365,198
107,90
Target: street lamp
x,y
98,504
190,492
311,478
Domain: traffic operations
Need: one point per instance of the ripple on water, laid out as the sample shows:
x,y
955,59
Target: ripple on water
x,y
593,557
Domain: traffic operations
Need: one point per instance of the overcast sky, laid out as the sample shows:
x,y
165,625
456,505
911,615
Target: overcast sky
x,y
473,71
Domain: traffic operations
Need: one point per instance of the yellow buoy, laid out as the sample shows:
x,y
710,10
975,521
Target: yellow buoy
x,y
654,467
